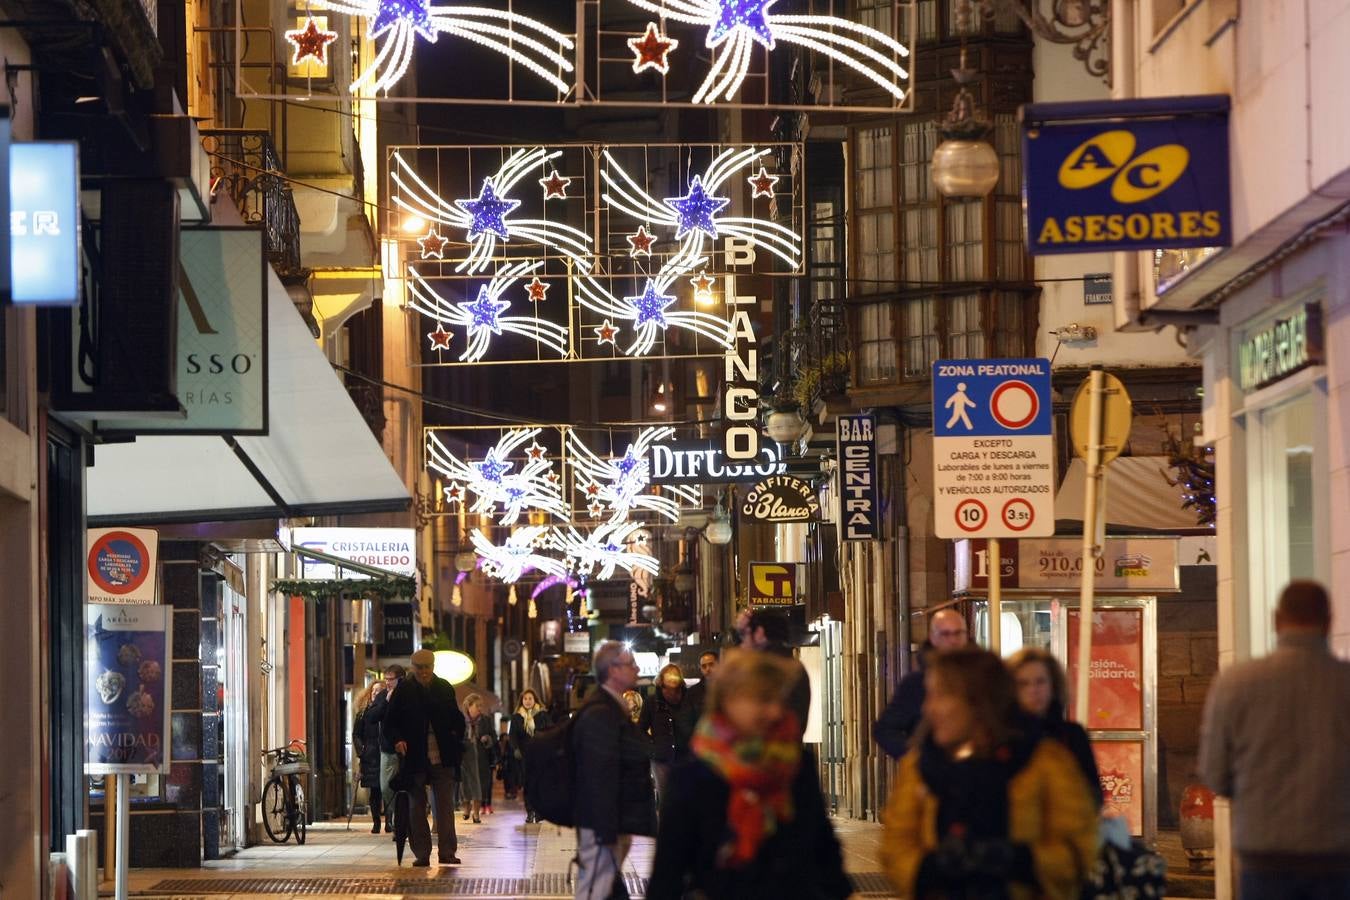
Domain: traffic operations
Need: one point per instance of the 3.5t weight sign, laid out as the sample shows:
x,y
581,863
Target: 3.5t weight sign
x,y
993,451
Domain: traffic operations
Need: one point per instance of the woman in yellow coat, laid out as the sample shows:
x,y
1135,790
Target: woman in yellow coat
x,y
984,808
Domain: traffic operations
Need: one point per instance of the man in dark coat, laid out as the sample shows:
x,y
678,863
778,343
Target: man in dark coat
x,y
696,697
946,631
427,730
613,782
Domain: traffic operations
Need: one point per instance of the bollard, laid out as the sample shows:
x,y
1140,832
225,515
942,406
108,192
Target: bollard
x,y
88,865
75,848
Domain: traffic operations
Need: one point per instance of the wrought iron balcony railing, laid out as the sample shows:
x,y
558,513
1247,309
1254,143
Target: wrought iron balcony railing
x,y
245,165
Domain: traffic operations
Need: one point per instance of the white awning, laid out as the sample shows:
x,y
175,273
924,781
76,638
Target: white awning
x,y
1137,495
319,458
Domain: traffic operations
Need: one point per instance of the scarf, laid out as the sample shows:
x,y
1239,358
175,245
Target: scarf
x,y
759,773
527,715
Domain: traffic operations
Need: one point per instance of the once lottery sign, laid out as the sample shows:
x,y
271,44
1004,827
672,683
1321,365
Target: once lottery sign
x,y
993,449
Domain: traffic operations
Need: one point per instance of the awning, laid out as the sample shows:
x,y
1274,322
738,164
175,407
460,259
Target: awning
x,y
1138,497
320,457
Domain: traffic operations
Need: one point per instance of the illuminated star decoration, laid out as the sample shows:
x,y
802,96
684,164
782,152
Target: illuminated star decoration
x,y
528,43
649,312
651,51
695,215
440,338
762,183
606,549
433,245
703,286
650,306
735,27
482,318
310,42
454,493
555,186
606,333
485,217
640,242
497,482
518,555
622,484
538,290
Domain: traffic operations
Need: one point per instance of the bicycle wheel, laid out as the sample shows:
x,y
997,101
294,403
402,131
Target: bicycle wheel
x,y
298,810
275,817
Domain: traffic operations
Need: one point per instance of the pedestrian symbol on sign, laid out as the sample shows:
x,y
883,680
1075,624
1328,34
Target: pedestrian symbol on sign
x,y
959,403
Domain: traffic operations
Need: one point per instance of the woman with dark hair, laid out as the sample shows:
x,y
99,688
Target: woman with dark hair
x,y
744,818
1041,692
530,718
984,807
366,744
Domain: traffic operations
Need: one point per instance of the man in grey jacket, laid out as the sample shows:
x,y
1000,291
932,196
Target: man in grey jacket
x,y
1275,738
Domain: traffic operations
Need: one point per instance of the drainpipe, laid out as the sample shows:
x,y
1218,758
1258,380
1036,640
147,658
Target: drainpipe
x,y
1124,86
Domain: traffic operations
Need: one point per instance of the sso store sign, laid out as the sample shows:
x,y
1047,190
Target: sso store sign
x,y
1127,175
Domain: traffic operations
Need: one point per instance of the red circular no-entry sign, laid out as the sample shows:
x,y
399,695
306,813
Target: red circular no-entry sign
x,y
1014,405
118,562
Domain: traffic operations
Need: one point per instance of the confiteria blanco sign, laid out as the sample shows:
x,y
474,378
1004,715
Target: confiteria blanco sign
x,y
702,462
391,549
1280,348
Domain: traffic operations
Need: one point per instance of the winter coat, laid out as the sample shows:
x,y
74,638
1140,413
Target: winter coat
x,y
1076,741
480,751
667,725
376,713
366,742
800,860
520,737
613,785
410,711
894,729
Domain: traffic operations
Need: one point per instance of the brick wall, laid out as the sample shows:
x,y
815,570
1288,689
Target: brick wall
x,y
1188,659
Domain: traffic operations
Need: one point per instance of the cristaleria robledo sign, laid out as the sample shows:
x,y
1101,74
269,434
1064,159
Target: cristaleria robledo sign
x,y
781,498
391,549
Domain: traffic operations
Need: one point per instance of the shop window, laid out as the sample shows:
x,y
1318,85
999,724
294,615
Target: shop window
x,y
877,363
875,218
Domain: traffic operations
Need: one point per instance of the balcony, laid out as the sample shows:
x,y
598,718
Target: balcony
x,y
245,165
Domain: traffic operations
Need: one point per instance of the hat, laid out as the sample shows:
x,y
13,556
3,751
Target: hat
x,y
423,658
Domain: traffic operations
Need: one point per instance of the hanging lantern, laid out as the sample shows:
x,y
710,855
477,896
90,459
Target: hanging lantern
x,y
534,609
466,560
718,530
511,597
456,598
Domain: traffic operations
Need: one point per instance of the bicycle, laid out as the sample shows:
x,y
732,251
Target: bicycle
x,y
283,801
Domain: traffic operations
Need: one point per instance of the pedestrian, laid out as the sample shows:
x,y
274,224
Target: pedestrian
x,y
427,730
1041,693
664,724
744,817
366,745
768,631
476,766
613,778
696,696
377,714
983,805
633,701
1275,738
507,767
899,720
529,718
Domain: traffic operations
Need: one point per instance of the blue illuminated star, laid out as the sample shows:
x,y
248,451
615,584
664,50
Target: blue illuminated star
x,y
752,15
488,211
492,469
626,464
416,13
650,306
696,209
484,312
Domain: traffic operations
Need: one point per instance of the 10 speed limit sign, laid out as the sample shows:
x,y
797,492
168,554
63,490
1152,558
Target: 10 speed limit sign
x,y
993,450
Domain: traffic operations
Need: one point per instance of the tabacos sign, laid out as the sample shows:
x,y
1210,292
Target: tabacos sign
x,y
1126,175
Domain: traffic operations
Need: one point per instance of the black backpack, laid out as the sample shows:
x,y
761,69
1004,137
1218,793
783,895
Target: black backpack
x,y
550,773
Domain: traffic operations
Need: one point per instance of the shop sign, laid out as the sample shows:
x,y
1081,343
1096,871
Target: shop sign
x,y
391,549
1281,348
1120,766
122,564
702,462
859,508
1126,565
1126,175
773,583
740,397
781,498
127,689
1097,289
44,222
577,642
398,629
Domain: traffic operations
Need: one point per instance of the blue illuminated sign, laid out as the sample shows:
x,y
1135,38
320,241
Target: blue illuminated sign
x,y
1126,175
44,223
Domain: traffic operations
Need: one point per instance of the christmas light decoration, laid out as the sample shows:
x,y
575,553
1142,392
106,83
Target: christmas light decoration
x,y
511,598
485,218
517,556
533,610
526,42
623,484
735,27
433,245
554,581
495,481
606,333
537,290
640,242
482,318
440,338
652,50
649,312
310,42
697,209
762,183
456,598
703,286
555,186
608,548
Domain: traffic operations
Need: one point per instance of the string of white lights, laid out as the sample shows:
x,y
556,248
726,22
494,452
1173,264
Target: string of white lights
x,y
511,560
494,484
606,549
621,485
483,317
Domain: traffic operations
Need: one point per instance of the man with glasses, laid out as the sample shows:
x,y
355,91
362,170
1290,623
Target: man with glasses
x,y
946,631
613,781
378,713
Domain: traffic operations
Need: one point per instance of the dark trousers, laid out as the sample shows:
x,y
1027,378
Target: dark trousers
x,y
1273,885
376,804
441,780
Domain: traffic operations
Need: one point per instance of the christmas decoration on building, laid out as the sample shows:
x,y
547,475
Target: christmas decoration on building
x,y
762,183
432,245
622,485
649,312
605,550
1194,469
497,483
652,50
518,555
310,42
483,317
440,338
555,186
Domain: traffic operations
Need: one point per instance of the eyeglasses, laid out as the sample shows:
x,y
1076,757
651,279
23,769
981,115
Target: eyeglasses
x,y
626,662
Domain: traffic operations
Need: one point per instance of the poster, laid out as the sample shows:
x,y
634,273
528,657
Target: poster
x,y
1116,681
398,630
127,688
1120,765
122,564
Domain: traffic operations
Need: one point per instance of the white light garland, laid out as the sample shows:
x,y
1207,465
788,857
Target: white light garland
x,y
605,550
493,482
622,485
642,312
481,318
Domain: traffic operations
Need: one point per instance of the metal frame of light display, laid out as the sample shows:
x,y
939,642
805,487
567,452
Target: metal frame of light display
x,y
677,53
617,248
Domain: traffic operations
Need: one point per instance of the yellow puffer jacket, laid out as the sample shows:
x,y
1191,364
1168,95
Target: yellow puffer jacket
x,y
1049,810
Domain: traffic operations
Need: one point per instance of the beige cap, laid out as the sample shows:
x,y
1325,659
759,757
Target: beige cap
x,y
423,658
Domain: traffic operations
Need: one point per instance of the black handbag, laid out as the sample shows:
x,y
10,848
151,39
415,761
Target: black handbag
x,y
1126,873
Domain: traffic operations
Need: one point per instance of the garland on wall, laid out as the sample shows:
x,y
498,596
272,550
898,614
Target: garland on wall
x,y
396,588
1194,468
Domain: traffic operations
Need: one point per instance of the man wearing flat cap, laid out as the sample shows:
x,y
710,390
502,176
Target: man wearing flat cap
x,y
427,730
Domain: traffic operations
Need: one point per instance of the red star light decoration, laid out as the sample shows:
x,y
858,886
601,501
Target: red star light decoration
x,y
703,285
555,186
537,290
597,509
606,332
534,451
433,245
454,493
592,490
640,242
763,183
440,338
651,51
310,42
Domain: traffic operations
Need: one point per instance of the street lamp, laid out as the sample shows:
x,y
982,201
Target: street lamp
x,y
964,164
718,529
466,560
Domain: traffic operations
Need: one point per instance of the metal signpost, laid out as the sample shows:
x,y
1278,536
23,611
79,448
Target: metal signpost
x,y
993,457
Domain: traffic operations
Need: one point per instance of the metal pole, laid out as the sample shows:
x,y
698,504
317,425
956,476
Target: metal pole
x,y
110,793
995,597
1089,573
123,835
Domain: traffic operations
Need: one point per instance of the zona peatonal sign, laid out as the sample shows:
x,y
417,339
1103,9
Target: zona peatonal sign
x,y
781,498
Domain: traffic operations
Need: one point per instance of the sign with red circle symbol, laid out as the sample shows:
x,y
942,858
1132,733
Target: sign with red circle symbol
x,y
971,515
121,564
1018,514
1014,405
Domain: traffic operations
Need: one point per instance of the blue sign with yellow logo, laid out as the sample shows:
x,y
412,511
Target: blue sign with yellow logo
x,y
1126,175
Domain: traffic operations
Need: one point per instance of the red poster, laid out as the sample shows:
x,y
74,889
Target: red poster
x,y
1116,686
1121,766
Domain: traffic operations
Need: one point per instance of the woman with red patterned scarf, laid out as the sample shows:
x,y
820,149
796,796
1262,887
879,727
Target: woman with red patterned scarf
x,y
744,818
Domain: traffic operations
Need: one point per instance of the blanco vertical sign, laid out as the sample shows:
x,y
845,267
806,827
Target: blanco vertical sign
x,y
859,516
740,401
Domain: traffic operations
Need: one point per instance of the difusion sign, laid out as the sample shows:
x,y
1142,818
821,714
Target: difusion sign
x,y
781,498
1126,175
701,462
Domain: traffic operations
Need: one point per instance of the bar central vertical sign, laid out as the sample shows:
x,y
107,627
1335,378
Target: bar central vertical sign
x,y
859,516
